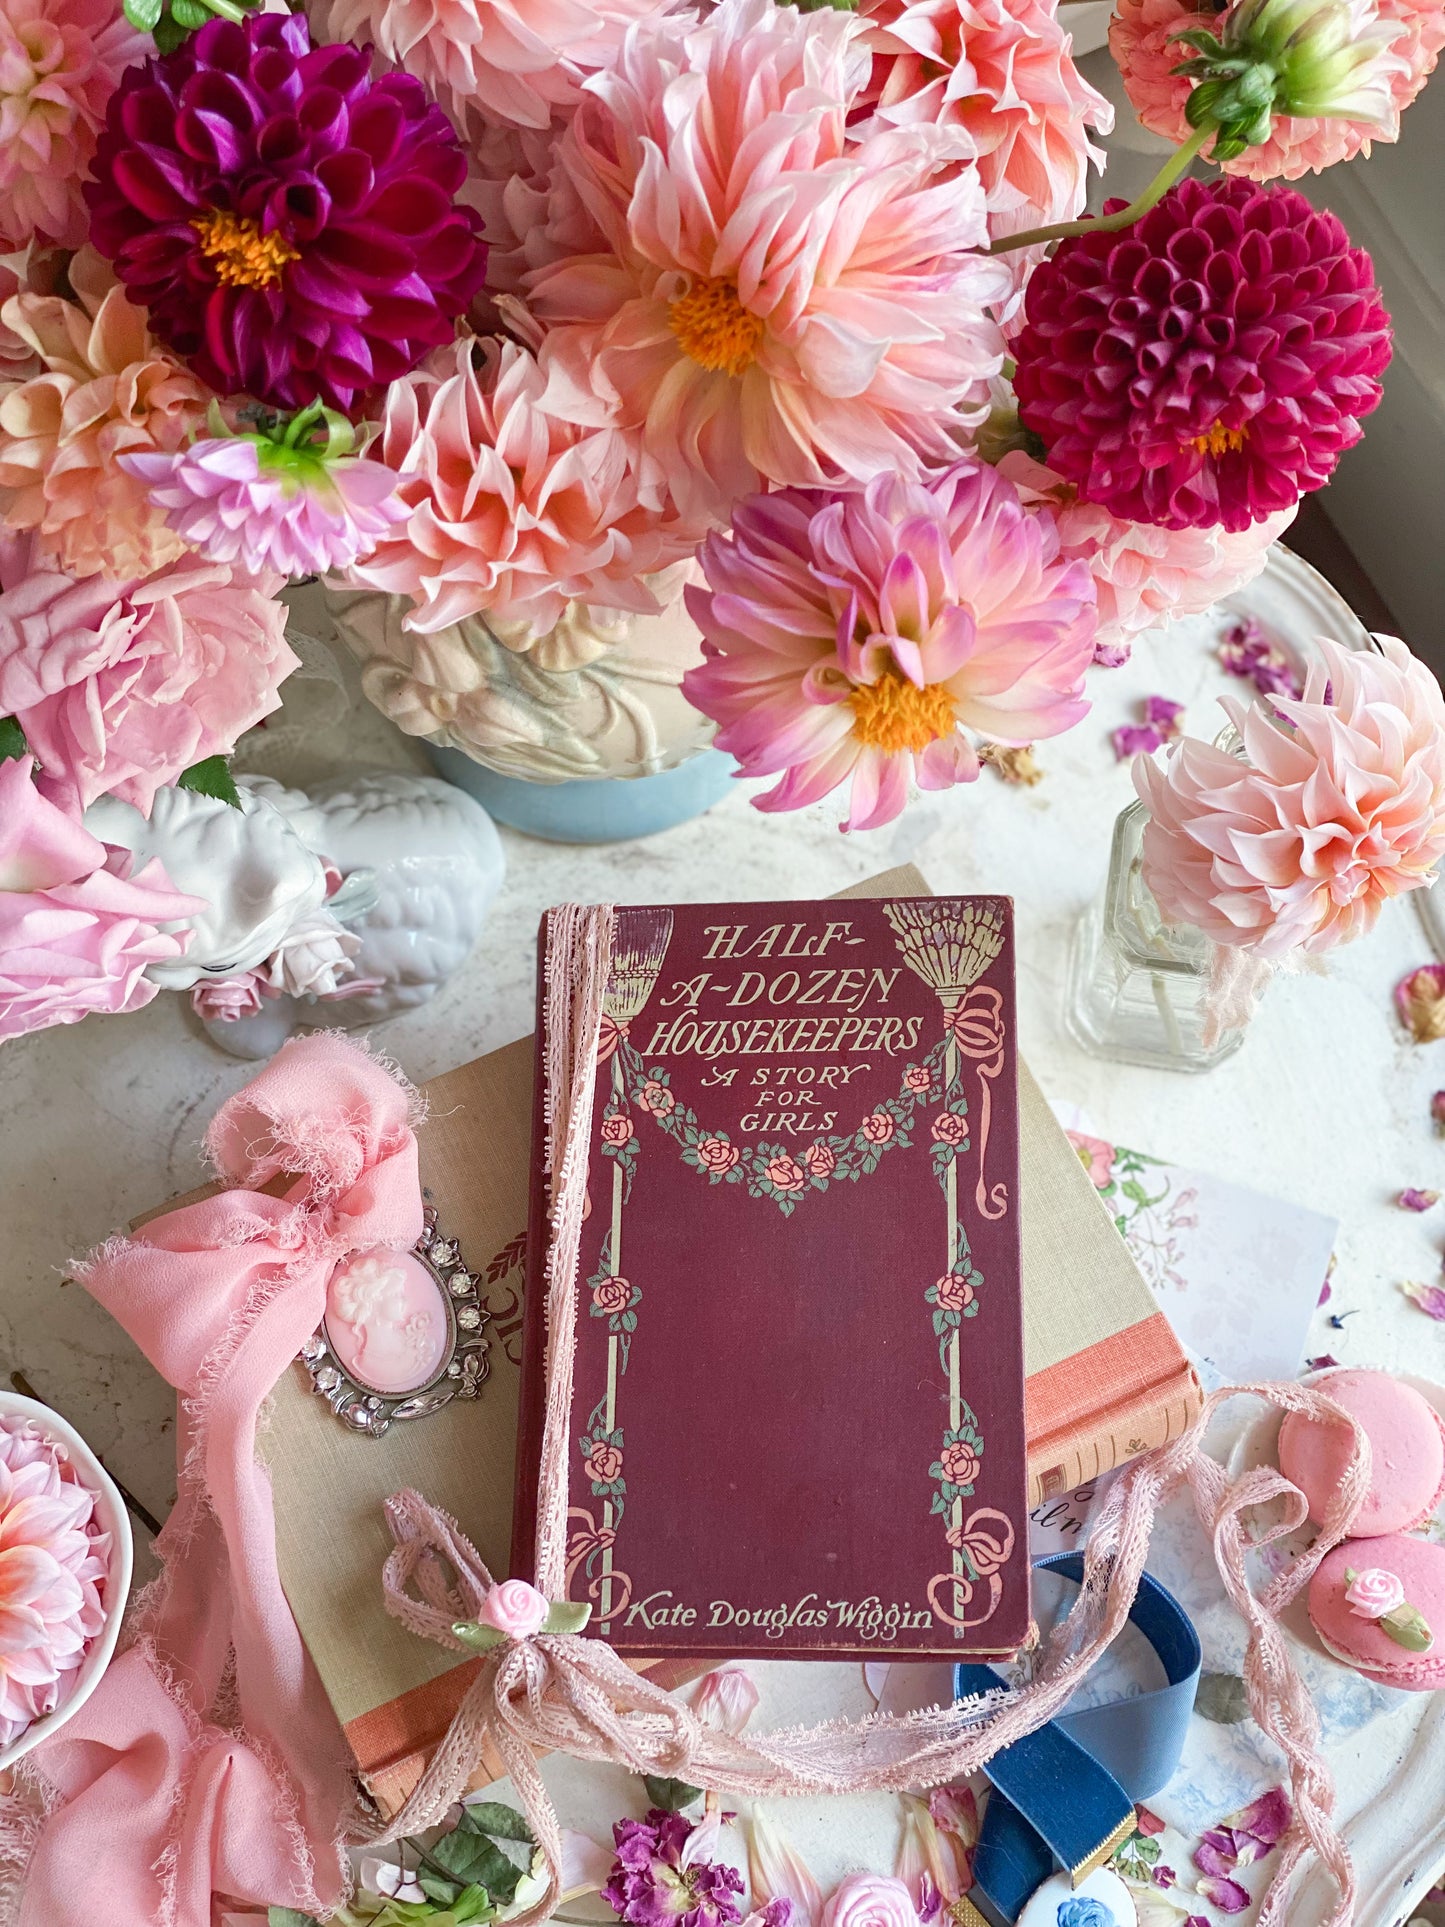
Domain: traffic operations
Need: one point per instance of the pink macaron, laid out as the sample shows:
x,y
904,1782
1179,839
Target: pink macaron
x,y
1404,1576
1407,1452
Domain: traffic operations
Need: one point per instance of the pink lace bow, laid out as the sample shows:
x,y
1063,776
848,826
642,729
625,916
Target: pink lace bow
x,y
209,1761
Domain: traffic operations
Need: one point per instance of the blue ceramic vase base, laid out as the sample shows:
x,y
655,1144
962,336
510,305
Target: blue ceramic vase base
x,y
607,810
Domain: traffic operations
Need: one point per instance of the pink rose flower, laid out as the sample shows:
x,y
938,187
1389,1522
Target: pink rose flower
x,y
656,1098
726,1699
960,1462
949,1127
1374,1592
225,999
877,1128
819,1161
120,686
604,1462
785,1173
314,957
716,1154
616,1128
918,1078
870,1900
954,1291
75,936
612,1294
514,1608
1096,1156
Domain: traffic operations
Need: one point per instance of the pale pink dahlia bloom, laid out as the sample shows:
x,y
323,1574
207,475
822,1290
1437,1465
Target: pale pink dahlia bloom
x,y
780,303
855,637
1141,41
1144,575
1002,70
510,60
54,1563
59,63
1337,805
74,937
510,508
225,504
122,686
100,388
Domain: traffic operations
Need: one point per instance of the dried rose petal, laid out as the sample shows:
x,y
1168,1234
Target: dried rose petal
x,y
1412,1200
1216,1852
1222,1892
1437,1112
1430,1299
1248,652
1136,739
1420,1000
1322,1363
1266,1819
1164,715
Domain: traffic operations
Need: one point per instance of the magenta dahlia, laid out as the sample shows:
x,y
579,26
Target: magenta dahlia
x,y
1207,366
289,223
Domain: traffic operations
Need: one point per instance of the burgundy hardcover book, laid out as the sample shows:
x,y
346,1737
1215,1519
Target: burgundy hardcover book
x,y
797,1416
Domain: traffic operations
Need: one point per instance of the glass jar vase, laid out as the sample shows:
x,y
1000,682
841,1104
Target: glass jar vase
x,y
1139,986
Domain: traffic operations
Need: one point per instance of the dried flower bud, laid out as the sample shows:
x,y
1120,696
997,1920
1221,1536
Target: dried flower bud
x,y
1420,1000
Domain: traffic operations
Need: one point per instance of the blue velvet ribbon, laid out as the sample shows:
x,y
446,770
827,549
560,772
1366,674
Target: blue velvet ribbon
x,y
1062,1795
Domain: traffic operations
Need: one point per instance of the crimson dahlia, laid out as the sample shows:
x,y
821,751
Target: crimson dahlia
x,y
289,223
1208,365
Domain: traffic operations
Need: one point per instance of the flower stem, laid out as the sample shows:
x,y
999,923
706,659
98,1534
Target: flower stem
x,y
1124,217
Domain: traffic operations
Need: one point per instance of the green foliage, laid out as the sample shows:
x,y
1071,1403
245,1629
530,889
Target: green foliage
x,y
671,1795
143,15
287,1916
213,776
12,739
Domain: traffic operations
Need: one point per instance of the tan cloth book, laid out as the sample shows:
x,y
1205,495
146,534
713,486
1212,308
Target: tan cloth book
x,y
1106,1380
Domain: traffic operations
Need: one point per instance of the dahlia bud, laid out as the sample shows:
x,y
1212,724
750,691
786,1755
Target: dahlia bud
x,y
1307,59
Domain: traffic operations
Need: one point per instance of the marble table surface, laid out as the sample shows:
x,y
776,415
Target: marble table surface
x,y
1327,1104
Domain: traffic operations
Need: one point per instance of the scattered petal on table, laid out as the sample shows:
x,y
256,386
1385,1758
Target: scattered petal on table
x,y
1412,1200
1136,739
1015,764
1322,1363
1163,714
1420,1000
1430,1299
1248,652
1222,1892
1266,1818
1437,1112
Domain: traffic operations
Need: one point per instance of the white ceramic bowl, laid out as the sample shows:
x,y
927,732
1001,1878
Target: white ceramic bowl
x,y
113,1516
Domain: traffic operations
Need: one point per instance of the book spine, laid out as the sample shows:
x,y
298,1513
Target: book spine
x,y
1109,1439
531,1411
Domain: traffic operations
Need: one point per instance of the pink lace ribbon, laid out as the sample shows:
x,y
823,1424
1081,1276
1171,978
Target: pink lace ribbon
x,y
209,1760
571,1693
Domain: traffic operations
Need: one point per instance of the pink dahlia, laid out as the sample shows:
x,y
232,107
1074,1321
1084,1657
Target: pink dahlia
x,y
488,60
275,499
509,507
1003,71
74,937
1144,575
1207,365
121,686
288,222
855,637
1337,805
59,64
101,390
1142,41
779,303
54,1563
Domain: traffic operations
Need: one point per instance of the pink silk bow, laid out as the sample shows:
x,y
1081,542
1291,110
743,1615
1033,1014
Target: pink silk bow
x,y
209,1760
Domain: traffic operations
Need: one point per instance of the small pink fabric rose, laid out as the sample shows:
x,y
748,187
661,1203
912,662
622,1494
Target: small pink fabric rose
x,y
954,1291
785,1173
819,1161
1374,1592
616,1128
1096,1155
612,1294
224,1000
656,1097
960,1463
870,1900
949,1128
877,1127
514,1608
716,1154
604,1463
918,1078
726,1698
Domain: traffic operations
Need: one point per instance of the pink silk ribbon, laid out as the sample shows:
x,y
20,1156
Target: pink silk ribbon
x,y
209,1760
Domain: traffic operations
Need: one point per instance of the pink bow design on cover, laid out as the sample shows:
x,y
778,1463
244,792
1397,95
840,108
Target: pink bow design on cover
x,y
209,1759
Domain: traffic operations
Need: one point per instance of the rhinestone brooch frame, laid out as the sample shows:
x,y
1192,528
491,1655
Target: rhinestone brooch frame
x,y
464,1365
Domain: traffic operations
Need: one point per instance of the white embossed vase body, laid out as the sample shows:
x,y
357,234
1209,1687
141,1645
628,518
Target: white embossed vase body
x,y
582,734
